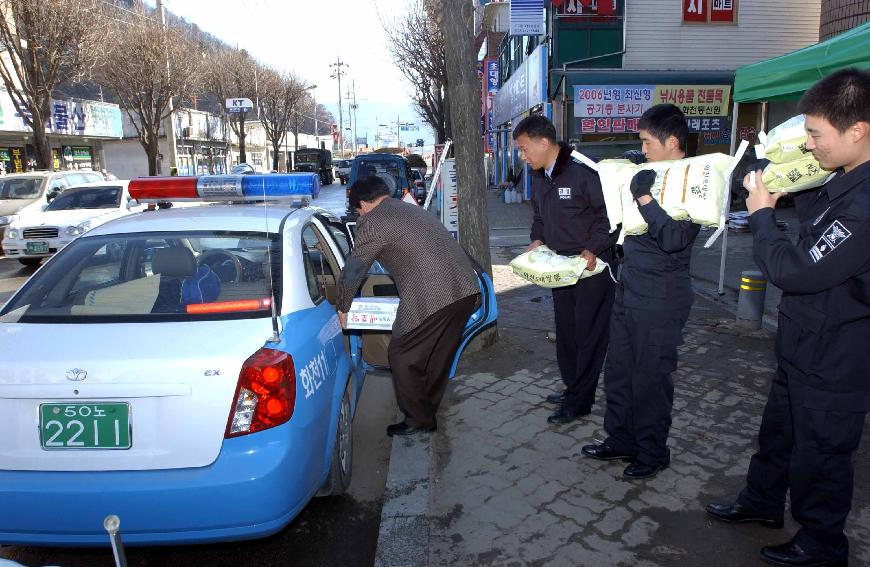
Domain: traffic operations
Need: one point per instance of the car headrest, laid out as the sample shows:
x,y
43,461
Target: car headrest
x,y
174,262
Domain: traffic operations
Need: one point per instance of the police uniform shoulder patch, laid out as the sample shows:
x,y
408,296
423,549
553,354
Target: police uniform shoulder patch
x,y
833,236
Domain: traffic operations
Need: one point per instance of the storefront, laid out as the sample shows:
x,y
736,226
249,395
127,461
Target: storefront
x,y
600,109
76,130
524,93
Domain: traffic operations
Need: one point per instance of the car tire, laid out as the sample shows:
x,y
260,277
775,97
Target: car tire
x,y
341,467
30,261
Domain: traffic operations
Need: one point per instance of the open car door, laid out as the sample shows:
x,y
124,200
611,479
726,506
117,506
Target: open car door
x,y
378,283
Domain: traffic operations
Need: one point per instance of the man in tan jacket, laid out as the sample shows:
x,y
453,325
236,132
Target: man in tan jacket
x,y
438,292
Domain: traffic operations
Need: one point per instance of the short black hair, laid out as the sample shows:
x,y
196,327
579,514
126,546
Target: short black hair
x,y
536,127
841,98
664,121
367,189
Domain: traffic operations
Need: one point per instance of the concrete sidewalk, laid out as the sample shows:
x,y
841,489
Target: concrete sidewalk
x,y
504,488
497,485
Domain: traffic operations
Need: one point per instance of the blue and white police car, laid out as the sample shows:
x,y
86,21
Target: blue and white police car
x,y
185,369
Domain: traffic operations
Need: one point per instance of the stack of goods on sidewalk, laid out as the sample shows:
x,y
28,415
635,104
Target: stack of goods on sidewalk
x,y
792,167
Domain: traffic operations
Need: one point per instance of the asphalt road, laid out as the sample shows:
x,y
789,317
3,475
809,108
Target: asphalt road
x,y
339,530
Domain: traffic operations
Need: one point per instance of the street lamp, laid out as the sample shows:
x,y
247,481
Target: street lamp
x,y
316,131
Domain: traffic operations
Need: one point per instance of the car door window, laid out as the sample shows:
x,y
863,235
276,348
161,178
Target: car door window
x,y
323,264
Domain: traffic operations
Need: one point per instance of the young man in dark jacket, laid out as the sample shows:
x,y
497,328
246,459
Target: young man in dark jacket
x,y
820,394
652,306
571,219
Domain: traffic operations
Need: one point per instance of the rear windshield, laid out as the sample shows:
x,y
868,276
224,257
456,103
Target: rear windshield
x,y
21,188
90,198
153,277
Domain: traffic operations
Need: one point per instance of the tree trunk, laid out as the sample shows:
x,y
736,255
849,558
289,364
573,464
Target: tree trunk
x,y
41,143
152,150
275,147
243,156
464,107
463,122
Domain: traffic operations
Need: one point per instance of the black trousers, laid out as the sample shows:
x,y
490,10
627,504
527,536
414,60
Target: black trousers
x,y
641,356
582,319
809,452
420,361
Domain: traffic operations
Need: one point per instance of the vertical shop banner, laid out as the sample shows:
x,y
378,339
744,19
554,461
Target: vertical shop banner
x,y
449,198
491,88
527,17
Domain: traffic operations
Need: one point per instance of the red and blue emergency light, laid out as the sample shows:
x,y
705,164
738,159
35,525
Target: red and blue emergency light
x,y
252,187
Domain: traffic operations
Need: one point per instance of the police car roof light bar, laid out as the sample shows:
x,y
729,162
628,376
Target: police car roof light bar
x,y
259,187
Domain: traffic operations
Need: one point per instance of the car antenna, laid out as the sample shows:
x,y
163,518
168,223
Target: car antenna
x,y
276,336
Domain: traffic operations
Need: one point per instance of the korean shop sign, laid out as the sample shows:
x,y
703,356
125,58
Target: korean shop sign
x,y
709,11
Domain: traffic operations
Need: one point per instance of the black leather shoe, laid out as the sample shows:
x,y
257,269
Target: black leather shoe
x,y
791,555
557,398
604,453
736,514
564,415
403,428
638,471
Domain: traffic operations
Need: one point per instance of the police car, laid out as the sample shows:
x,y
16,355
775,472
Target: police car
x,y
185,369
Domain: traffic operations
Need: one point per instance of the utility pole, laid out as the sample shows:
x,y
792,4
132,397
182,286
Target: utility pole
x,y
169,125
337,74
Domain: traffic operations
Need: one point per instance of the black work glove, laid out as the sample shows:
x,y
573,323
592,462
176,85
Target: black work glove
x,y
642,182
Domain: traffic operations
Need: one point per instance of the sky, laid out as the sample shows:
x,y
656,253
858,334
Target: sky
x,y
305,37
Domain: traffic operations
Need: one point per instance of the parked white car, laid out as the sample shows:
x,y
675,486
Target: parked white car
x,y
35,235
24,192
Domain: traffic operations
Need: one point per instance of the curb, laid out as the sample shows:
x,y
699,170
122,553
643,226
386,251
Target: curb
x,y
403,538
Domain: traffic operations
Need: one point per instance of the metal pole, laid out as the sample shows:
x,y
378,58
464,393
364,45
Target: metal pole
x,y
721,290
337,75
169,125
316,131
112,525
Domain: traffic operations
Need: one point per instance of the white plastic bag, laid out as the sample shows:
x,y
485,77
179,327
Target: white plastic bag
x,y
545,268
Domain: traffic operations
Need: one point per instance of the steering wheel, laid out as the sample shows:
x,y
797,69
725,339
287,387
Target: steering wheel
x,y
226,265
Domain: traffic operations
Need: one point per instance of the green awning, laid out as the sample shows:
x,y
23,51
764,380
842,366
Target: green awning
x,y
787,77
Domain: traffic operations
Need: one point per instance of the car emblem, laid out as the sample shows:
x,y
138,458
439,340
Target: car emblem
x,y
76,374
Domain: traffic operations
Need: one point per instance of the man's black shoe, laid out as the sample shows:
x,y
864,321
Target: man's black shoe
x,y
735,514
791,555
557,398
604,453
638,471
564,415
403,428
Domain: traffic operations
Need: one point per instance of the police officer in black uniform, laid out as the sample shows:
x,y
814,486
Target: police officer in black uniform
x,y
652,306
820,392
570,218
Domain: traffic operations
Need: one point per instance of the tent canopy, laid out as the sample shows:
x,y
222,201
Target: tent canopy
x,y
787,77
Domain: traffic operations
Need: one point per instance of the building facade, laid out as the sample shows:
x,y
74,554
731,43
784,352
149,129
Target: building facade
x,y
841,15
606,61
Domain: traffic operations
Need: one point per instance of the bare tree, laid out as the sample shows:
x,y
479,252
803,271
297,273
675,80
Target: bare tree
x,y
416,43
46,43
279,95
233,73
457,22
147,68
456,19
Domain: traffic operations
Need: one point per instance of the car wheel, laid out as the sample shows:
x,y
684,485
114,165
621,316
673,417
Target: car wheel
x,y
30,261
341,467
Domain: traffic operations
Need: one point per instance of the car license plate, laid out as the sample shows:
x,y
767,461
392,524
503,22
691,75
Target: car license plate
x,y
37,247
84,426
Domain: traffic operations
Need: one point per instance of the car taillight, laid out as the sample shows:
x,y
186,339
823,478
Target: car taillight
x,y
265,395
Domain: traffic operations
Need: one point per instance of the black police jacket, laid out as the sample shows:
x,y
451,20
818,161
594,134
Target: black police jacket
x,y
655,271
569,211
824,323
